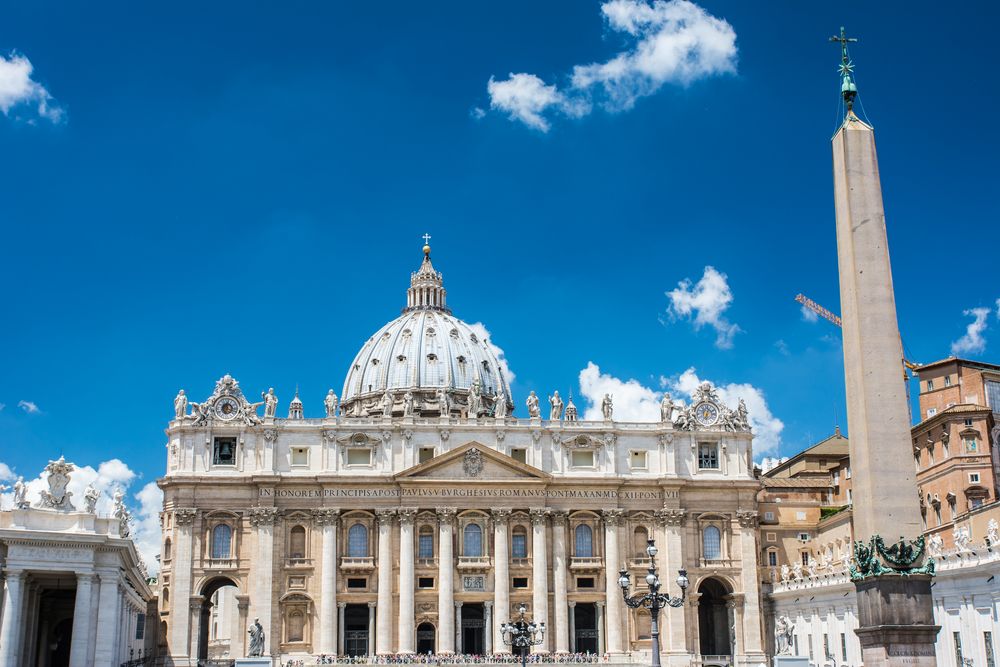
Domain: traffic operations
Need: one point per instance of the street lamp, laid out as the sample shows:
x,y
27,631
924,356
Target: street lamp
x,y
653,600
522,634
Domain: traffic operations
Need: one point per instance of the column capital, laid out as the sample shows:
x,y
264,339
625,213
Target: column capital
x,y
487,604
185,516
89,577
407,515
670,517
194,604
372,605
559,517
458,604
571,603
446,515
14,575
747,518
342,605
600,604
539,515
263,516
385,515
243,603
327,516
613,517
501,514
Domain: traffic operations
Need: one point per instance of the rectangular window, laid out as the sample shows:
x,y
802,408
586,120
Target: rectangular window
x,y
976,503
224,452
772,537
968,422
425,582
357,583
931,412
843,646
973,478
519,582
930,385
708,456
425,454
300,456
584,582
357,456
772,558
426,545
519,545
947,380
768,516
637,460
957,638
988,641
993,395
140,627
803,537
805,557
582,458
519,454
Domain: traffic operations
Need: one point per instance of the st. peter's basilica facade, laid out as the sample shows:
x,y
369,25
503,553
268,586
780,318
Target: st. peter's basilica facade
x,y
418,514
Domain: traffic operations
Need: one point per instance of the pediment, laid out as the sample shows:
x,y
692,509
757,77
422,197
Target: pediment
x,y
473,462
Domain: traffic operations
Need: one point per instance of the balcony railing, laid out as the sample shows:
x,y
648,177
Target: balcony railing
x,y
298,562
586,564
427,562
717,562
473,562
366,564
520,562
638,562
221,563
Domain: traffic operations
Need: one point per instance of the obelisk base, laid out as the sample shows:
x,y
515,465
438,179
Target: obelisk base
x,y
896,619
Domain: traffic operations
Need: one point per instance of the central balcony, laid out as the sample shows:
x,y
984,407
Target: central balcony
x,y
349,564
474,563
586,564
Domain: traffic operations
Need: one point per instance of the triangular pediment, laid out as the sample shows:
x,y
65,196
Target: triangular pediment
x,y
473,462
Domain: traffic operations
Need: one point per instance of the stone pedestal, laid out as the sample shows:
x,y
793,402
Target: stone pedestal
x,y
896,620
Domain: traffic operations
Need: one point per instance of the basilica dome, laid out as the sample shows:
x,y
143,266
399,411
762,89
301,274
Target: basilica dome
x,y
425,362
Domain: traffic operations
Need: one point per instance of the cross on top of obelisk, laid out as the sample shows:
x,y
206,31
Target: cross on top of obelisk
x,y
426,238
847,87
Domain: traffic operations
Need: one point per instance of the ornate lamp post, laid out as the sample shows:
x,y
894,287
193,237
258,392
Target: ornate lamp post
x,y
654,601
522,634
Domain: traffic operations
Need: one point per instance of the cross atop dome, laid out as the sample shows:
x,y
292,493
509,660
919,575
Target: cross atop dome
x,y
426,285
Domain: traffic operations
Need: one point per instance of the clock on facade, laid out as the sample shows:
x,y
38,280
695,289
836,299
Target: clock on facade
x,y
226,408
706,413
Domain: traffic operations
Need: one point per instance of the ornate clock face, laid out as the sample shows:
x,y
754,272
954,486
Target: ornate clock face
x,y
226,408
706,414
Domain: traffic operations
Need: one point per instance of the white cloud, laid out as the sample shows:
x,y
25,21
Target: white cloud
x,y
484,335
29,407
673,41
766,427
632,400
705,303
972,342
809,315
782,347
2,406
17,88
477,113
108,476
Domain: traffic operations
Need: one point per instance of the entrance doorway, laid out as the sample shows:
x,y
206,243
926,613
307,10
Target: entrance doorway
x,y
356,629
714,634
425,638
472,628
585,625
220,636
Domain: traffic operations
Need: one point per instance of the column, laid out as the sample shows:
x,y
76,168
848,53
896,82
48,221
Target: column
x,y
196,607
383,619
341,612
501,576
601,643
613,594
371,628
238,640
407,610
107,619
559,584
487,628
180,589
329,519
458,627
539,573
262,519
672,520
572,626
753,642
446,582
11,628
81,621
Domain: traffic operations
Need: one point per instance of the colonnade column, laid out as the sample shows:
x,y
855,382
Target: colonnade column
x,y
407,610
458,628
613,594
107,620
572,626
239,645
559,585
672,521
446,582
539,573
81,621
488,623
12,627
263,518
501,576
329,519
383,618
341,611
599,613
181,586
753,642
371,627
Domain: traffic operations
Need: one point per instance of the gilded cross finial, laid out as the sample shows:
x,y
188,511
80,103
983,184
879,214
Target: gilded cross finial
x,y
427,245
847,87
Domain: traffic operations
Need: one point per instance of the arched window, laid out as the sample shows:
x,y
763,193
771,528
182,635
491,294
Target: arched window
x,y
472,541
296,625
357,541
519,543
711,540
583,546
165,599
222,538
297,542
425,548
166,549
639,539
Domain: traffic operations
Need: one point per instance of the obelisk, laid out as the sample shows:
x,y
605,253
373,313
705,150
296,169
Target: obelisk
x,y
891,574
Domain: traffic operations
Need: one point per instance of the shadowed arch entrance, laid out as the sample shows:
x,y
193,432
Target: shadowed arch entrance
x,y
220,634
425,638
714,620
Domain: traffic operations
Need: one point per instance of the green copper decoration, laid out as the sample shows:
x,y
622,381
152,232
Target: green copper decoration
x,y
875,559
846,69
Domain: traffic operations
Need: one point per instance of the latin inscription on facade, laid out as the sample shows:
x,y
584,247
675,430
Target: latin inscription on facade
x,y
469,492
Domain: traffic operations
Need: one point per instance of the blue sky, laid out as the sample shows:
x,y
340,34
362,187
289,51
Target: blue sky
x,y
224,187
